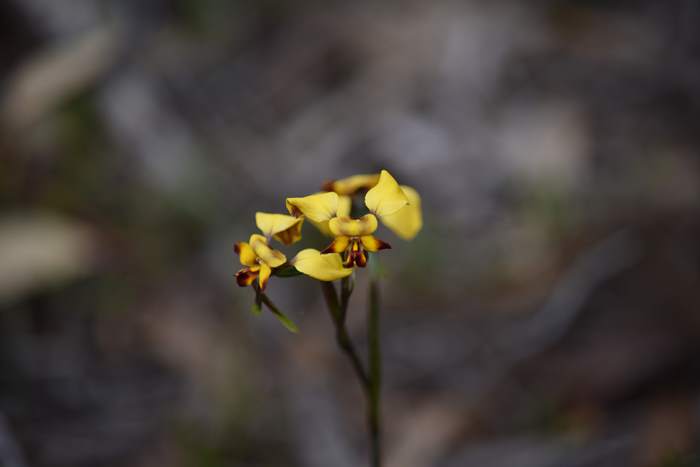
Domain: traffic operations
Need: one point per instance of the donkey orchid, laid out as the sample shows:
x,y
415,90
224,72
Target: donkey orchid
x,y
396,206
259,260
406,222
354,237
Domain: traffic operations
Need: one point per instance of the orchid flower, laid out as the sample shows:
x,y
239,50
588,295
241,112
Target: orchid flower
x,y
353,237
257,256
259,260
406,222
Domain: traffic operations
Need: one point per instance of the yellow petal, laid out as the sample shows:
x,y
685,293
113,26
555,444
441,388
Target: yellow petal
x,y
245,253
344,205
318,207
349,227
351,185
328,267
265,273
246,276
372,243
339,245
284,228
407,221
386,197
269,256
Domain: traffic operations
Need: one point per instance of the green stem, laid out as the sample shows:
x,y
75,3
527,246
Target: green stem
x,y
374,415
346,287
370,382
337,312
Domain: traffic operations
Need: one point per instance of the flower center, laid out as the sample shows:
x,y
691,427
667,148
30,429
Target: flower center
x,y
355,254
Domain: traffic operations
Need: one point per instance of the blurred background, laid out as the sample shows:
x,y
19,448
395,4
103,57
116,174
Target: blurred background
x,y
547,315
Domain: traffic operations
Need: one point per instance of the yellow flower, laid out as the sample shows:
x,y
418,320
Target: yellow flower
x,y
406,222
259,260
353,237
283,228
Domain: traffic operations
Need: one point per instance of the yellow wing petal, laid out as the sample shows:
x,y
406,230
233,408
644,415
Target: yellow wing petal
x,y
285,229
245,253
269,256
386,197
407,221
318,207
328,267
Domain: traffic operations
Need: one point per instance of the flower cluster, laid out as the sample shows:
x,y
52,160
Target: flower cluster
x,y
331,211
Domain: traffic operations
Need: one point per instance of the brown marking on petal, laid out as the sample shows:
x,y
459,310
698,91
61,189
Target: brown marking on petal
x,y
237,248
355,258
382,245
328,185
286,237
349,260
339,245
246,277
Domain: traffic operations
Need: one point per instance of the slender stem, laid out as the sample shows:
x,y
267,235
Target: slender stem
x,y
374,416
346,287
370,381
337,311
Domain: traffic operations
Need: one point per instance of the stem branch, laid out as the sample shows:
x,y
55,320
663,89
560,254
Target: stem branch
x,y
337,312
370,381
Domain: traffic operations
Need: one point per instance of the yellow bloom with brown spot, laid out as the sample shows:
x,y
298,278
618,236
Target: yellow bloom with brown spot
x,y
283,228
259,261
406,222
353,238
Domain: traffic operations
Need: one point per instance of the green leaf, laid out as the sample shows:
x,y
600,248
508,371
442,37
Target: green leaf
x,y
286,322
281,317
286,271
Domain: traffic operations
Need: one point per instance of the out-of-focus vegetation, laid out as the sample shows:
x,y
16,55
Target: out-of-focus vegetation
x,y
547,315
